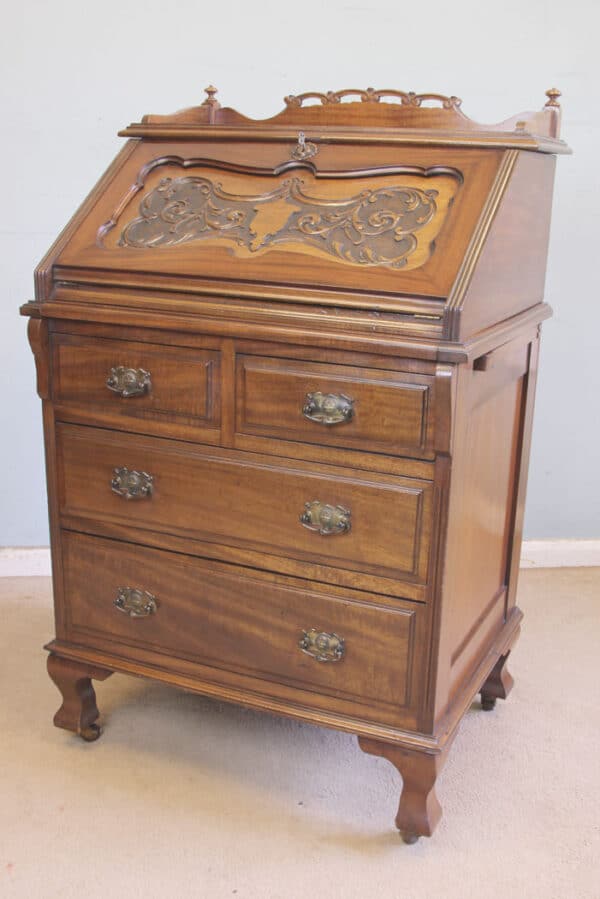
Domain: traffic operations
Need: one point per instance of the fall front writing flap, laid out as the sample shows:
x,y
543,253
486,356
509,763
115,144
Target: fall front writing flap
x,y
361,210
352,218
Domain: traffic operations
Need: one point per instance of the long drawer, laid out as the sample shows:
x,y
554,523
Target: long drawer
x,y
374,523
240,621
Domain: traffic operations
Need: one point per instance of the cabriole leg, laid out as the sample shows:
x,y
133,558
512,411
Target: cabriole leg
x,y
419,809
78,712
498,685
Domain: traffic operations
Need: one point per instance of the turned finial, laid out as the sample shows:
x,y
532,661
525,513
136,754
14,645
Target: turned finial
x,y
211,100
553,94
211,104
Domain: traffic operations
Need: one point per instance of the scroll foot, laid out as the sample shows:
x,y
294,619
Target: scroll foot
x,y
419,809
78,712
498,685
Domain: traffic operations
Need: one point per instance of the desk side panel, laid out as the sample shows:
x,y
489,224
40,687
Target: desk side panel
x,y
510,273
484,533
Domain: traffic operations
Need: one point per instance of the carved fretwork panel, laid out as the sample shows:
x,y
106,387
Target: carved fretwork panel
x,y
388,220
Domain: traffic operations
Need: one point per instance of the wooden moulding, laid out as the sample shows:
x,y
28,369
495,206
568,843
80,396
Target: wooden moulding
x,y
434,118
300,333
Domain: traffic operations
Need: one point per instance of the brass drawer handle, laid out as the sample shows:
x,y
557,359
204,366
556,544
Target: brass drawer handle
x,y
135,603
322,646
328,408
128,382
325,519
132,484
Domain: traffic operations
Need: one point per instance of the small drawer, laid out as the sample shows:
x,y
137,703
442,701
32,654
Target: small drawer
x,y
336,405
144,387
241,620
375,523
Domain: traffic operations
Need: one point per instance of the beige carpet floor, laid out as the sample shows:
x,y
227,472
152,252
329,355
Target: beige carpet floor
x,y
186,797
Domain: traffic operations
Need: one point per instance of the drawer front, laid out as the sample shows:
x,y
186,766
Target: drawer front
x,y
238,620
337,405
376,523
141,386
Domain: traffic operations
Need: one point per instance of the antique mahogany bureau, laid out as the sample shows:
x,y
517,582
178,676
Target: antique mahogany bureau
x,y
287,370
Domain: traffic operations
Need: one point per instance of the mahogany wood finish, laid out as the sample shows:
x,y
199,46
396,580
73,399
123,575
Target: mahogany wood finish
x,y
498,684
419,810
182,399
260,636
389,412
288,373
78,711
248,500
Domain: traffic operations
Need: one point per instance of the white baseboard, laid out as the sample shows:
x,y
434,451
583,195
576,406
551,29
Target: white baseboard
x,y
560,554
34,561
25,561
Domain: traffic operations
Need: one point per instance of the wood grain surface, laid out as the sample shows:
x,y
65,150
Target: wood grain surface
x,y
375,251
249,500
236,620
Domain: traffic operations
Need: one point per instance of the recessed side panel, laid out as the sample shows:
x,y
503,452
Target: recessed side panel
x,y
483,497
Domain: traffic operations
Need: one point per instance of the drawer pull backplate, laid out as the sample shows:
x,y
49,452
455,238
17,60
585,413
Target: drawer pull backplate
x,y
135,603
322,646
328,408
131,484
128,382
325,519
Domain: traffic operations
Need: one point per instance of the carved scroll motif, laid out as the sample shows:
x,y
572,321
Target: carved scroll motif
x,y
375,227
407,98
182,209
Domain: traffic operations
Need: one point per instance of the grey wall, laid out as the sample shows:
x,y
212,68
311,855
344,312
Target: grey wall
x,y
72,74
